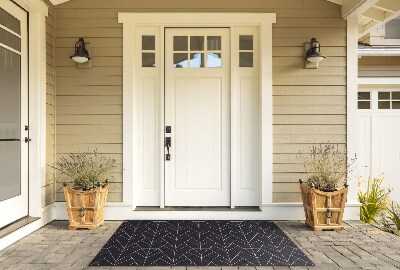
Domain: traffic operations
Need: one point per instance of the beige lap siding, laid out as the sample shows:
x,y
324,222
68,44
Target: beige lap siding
x,y
49,187
309,104
379,66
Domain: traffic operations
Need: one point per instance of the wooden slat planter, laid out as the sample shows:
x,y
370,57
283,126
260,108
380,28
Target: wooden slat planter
x,y
323,210
86,208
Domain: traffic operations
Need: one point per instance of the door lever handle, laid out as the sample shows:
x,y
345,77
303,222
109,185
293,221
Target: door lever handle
x,y
168,145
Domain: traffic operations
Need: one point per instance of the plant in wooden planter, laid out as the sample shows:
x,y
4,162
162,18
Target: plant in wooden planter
x,y
324,192
87,197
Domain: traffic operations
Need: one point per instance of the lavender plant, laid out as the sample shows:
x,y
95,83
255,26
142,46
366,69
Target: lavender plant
x,y
326,167
85,169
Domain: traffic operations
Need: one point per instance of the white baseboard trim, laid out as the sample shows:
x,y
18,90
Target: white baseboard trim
x,y
47,216
270,211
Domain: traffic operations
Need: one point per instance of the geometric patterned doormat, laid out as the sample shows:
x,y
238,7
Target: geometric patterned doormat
x,y
199,243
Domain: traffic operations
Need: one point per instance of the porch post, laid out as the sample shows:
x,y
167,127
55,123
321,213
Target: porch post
x,y
352,87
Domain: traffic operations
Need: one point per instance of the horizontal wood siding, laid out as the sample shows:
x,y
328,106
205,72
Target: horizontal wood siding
x,y
379,66
309,104
49,187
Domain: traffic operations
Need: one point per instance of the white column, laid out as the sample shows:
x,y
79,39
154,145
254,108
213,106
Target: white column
x,y
352,88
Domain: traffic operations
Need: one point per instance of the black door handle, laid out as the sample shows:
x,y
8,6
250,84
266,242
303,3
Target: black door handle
x,y
168,145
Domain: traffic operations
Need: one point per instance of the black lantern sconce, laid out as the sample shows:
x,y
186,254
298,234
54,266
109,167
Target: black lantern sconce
x,y
313,54
81,54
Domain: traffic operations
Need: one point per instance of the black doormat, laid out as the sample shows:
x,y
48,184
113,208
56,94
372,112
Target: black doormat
x,y
199,243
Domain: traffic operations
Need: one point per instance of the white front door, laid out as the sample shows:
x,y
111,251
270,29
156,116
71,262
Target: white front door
x,y
379,133
197,110
13,113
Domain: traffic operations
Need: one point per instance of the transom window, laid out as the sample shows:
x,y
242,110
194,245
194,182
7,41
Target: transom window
x,y
197,52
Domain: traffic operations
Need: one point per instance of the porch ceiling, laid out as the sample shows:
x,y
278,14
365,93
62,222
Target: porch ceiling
x,y
371,13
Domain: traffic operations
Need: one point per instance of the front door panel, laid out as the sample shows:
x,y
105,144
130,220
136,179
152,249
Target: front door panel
x,y
197,109
13,113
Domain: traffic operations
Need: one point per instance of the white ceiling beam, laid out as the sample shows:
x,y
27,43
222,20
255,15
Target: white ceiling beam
x,y
356,7
389,5
364,29
373,24
375,14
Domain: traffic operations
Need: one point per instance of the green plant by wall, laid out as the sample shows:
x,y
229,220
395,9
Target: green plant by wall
x,y
374,200
393,214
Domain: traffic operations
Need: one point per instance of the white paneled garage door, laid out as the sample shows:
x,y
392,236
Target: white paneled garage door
x,y
379,136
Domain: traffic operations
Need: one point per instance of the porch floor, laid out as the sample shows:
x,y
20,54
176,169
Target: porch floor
x,y
358,246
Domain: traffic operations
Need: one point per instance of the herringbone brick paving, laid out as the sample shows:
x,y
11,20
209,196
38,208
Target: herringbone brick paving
x,y
358,246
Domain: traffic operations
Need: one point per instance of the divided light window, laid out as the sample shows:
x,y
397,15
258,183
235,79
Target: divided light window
x,y
364,100
148,51
197,52
389,100
246,51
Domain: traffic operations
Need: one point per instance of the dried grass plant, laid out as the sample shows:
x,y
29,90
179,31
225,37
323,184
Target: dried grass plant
x,y
85,169
326,167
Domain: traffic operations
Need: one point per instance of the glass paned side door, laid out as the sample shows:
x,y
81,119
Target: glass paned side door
x,y
13,113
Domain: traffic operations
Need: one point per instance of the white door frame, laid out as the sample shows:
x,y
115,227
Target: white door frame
x,y
131,119
37,12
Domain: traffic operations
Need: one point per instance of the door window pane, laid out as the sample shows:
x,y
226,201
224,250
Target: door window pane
x,y
148,43
246,42
214,60
364,105
10,21
214,43
396,95
10,40
180,43
364,95
10,123
148,59
180,60
383,105
384,95
396,105
196,43
245,59
197,60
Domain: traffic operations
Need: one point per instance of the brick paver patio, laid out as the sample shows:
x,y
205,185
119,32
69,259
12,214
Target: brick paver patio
x,y
359,246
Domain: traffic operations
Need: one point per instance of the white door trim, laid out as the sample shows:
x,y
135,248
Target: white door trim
x,y
131,146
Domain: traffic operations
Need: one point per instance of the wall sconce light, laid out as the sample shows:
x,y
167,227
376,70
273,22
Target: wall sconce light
x,y
313,55
81,54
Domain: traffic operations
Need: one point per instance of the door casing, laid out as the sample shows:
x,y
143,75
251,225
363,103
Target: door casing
x,y
136,23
